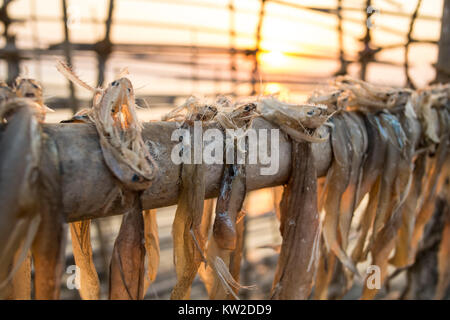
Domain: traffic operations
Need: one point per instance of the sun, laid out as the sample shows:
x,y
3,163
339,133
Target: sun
x,y
272,88
272,59
276,89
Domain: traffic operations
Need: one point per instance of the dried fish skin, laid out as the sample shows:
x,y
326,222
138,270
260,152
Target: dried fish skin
x,y
444,253
376,148
19,218
127,268
151,247
193,110
402,255
338,179
224,245
236,254
189,227
325,271
295,120
438,161
6,95
81,116
21,282
119,130
350,201
328,97
229,204
30,89
396,142
385,237
296,116
35,208
298,258
402,251
50,241
204,271
428,117
82,253
371,178
188,242
363,95
277,193
219,285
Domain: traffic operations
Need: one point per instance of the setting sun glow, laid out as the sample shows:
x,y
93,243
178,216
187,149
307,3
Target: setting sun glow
x,y
276,89
273,59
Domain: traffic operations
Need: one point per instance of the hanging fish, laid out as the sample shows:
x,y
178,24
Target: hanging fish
x,y
151,247
299,228
224,247
384,235
31,89
127,156
82,253
338,180
187,231
371,180
19,216
437,163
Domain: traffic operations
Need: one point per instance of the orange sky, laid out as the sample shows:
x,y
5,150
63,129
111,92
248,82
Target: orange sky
x,y
285,29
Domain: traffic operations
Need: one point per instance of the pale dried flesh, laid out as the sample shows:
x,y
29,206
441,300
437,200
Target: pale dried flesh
x,y
82,253
127,269
299,228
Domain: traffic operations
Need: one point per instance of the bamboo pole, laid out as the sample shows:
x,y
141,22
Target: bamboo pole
x,y
68,54
443,63
89,189
258,37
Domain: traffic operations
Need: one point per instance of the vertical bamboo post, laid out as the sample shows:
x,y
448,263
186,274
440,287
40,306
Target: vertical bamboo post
x,y
443,63
68,55
12,57
104,47
232,34
255,71
409,82
343,67
366,54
